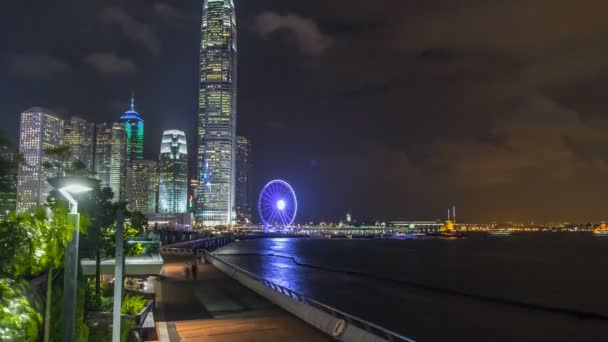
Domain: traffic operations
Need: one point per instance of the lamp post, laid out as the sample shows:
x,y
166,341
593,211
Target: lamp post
x,y
69,186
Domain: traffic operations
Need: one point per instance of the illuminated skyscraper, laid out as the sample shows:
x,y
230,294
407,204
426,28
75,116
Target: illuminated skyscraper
x,y
80,136
173,173
145,186
217,114
40,130
134,130
243,167
110,158
8,181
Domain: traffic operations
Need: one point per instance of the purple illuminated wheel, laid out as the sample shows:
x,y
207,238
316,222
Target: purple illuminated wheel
x,y
277,204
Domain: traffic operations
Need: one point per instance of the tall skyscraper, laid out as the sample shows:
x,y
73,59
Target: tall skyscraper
x,y
217,114
80,136
134,130
145,186
173,173
243,168
110,158
40,130
8,181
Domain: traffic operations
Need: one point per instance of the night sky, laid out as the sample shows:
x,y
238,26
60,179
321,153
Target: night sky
x,y
386,108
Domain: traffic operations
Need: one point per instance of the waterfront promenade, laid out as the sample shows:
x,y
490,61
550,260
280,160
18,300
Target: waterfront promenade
x,y
214,307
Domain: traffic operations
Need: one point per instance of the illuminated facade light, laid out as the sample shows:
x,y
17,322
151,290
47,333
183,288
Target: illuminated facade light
x,y
134,130
216,162
144,190
243,168
39,130
173,173
80,136
110,158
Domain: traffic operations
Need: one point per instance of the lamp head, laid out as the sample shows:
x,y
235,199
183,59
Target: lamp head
x,y
73,185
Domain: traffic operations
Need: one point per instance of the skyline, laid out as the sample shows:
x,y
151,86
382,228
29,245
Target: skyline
x,y
444,110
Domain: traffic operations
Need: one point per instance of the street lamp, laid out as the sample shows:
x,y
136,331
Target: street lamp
x,y
69,186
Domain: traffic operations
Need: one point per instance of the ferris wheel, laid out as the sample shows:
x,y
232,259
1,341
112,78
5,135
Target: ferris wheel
x,y
277,204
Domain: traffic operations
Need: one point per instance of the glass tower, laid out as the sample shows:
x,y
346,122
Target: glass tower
x,y
243,167
217,114
145,186
173,173
40,130
80,136
8,181
110,158
134,130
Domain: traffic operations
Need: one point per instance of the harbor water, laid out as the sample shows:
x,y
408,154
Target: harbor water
x,y
524,287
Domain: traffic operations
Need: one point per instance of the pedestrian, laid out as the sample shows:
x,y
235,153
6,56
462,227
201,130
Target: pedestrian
x,y
194,271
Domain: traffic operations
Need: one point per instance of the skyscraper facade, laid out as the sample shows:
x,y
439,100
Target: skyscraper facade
x,y
145,186
8,181
217,114
79,135
173,173
243,168
134,131
110,158
39,131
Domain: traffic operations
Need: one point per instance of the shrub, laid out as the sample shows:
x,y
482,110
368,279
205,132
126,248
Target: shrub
x,y
132,305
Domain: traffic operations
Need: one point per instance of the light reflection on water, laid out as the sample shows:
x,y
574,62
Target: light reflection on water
x,y
522,268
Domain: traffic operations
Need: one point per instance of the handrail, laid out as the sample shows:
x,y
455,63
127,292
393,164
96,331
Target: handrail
x,y
360,322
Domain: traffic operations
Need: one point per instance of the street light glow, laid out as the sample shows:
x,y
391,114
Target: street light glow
x,y
76,188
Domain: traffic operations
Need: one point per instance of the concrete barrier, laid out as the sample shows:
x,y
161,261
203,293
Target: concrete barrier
x,y
341,326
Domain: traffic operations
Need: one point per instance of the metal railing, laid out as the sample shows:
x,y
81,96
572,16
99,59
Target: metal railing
x,y
351,319
195,247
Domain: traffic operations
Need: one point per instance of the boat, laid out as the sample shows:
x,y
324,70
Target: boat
x,y
601,230
447,230
501,232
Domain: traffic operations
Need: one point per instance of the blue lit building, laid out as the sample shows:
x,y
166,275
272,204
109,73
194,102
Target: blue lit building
x,y
134,131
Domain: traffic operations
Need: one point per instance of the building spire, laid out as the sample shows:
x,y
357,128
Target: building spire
x,y
132,101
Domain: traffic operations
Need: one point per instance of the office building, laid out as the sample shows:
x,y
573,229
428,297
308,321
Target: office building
x,y
80,136
173,173
134,131
110,158
243,168
8,181
39,131
144,186
217,114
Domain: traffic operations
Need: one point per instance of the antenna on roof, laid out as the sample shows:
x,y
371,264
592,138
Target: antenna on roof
x,y
132,101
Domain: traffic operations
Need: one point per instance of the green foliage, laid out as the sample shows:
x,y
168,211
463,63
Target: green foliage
x,y
127,327
133,304
102,332
33,242
19,321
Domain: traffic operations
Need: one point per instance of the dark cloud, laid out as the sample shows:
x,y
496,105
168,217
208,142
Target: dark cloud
x,y
109,63
306,31
407,107
137,31
38,65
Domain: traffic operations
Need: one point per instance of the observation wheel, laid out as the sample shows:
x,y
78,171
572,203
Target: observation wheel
x,y
277,204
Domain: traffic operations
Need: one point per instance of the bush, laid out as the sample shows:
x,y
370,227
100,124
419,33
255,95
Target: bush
x,y
19,321
132,305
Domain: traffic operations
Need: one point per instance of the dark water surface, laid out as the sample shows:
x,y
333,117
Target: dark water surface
x,y
527,287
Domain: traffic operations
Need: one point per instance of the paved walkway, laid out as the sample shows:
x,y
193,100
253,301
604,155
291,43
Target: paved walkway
x,y
215,307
